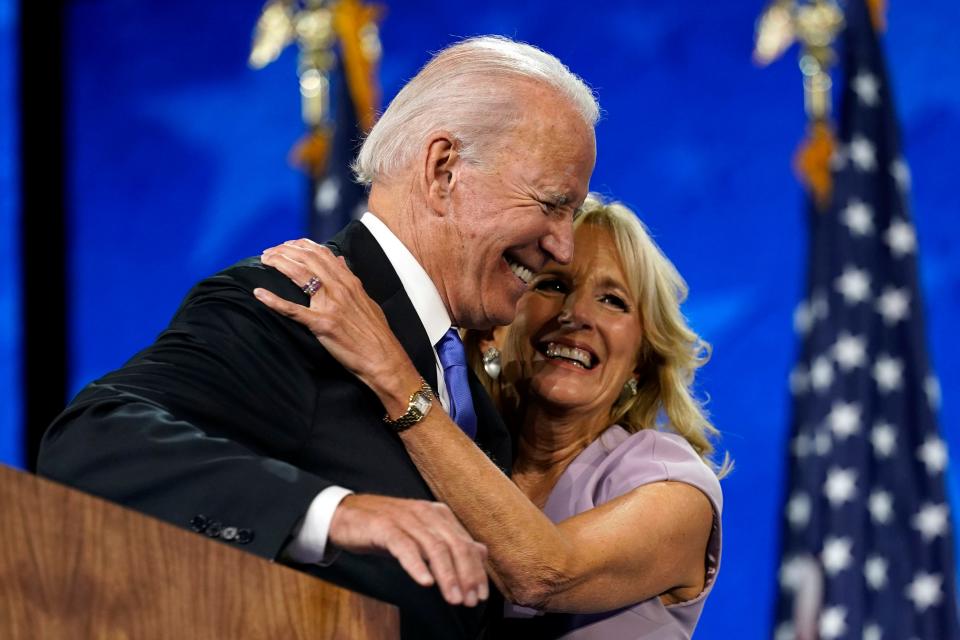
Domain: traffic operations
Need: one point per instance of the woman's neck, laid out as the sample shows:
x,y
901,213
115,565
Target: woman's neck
x,y
548,442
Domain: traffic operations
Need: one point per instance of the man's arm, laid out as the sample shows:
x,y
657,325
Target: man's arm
x,y
204,428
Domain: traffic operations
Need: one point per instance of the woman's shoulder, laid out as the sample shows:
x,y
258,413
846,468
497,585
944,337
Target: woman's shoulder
x,y
629,460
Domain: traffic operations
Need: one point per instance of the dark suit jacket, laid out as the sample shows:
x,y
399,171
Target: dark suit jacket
x,y
236,418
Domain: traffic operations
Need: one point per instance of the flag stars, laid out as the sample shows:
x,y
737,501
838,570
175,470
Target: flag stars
x,y
798,510
840,486
867,88
822,443
880,505
875,571
799,380
872,632
862,153
894,305
931,521
858,216
888,372
801,445
854,285
931,387
821,373
933,454
925,590
844,419
833,623
836,555
883,437
850,351
901,238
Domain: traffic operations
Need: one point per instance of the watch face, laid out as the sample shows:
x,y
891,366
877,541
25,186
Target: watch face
x,y
421,404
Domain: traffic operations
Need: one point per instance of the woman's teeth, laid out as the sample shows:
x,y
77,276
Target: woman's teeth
x,y
577,356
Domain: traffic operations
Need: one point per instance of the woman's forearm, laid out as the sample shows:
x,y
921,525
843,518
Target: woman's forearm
x,y
529,556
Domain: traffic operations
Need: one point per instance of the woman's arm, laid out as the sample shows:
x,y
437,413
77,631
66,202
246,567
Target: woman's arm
x,y
646,543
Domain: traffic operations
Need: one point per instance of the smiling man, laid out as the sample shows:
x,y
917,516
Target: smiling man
x,y
236,423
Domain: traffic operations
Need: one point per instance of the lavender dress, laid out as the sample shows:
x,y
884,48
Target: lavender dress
x,y
611,466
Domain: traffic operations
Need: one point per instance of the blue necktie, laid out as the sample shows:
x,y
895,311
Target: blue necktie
x,y
453,359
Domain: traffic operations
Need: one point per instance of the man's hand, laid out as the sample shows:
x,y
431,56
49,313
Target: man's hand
x,y
425,537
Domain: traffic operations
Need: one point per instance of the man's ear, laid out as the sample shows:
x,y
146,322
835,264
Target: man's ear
x,y
441,169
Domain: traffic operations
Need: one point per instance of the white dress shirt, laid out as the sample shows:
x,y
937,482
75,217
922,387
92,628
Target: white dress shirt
x,y
309,544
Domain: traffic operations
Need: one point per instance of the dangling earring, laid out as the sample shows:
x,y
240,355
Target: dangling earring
x,y
630,388
491,362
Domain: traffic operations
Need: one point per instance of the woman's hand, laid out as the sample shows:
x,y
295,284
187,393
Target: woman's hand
x,y
349,325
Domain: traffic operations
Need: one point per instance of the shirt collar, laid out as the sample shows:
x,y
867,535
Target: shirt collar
x,y
416,283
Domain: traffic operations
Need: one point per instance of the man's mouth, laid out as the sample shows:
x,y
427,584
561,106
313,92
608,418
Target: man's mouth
x,y
525,274
574,355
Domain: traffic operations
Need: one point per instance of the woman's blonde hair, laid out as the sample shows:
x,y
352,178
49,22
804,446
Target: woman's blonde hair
x,y
670,352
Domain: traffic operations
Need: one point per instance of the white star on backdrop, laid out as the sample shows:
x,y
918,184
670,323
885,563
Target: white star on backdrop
x,y
875,571
925,590
867,88
854,285
833,623
894,305
836,555
931,521
850,351
840,486
844,419
888,372
821,373
798,510
933,454
863,153
880,505
883,437
900,171
901,238
858,216
792,572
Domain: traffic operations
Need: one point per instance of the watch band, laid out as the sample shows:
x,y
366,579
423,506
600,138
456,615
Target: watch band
x,y
418,407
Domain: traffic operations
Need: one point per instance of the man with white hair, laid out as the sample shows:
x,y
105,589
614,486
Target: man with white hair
x,y
236,423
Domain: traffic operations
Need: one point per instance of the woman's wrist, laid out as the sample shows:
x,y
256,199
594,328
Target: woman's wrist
x,y
395,387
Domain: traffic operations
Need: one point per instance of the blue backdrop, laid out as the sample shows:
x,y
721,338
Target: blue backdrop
x,y
178,167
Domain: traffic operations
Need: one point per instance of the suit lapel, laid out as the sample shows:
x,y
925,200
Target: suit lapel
x,y
370,264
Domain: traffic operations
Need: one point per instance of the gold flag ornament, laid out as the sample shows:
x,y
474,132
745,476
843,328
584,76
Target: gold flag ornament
x,y
318,26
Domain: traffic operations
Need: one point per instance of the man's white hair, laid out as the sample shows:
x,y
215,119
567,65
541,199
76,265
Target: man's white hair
x,y
465,90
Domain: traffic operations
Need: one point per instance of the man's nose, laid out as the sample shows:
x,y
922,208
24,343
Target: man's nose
x,y
558,243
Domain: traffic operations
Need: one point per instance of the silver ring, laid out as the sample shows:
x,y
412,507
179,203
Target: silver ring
x,y
312,286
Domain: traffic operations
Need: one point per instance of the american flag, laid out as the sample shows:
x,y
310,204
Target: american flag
x,y
867,542
336,198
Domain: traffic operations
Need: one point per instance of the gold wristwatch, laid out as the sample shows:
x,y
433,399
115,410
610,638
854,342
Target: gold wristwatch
x,y
417,409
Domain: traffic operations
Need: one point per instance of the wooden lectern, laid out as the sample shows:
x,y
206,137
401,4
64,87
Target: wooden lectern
x,y
75,566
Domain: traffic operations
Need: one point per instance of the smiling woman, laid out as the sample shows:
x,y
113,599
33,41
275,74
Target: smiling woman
x,y
610,527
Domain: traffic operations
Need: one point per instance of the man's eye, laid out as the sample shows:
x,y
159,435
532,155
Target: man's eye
x,y
615,301
552,285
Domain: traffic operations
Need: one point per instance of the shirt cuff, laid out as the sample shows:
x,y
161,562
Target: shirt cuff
x,y
309,544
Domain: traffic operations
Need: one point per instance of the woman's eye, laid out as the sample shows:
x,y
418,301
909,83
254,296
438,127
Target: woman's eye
x,y
551,284
615,301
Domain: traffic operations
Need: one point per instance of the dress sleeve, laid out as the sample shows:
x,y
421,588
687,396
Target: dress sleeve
x,y
654,456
